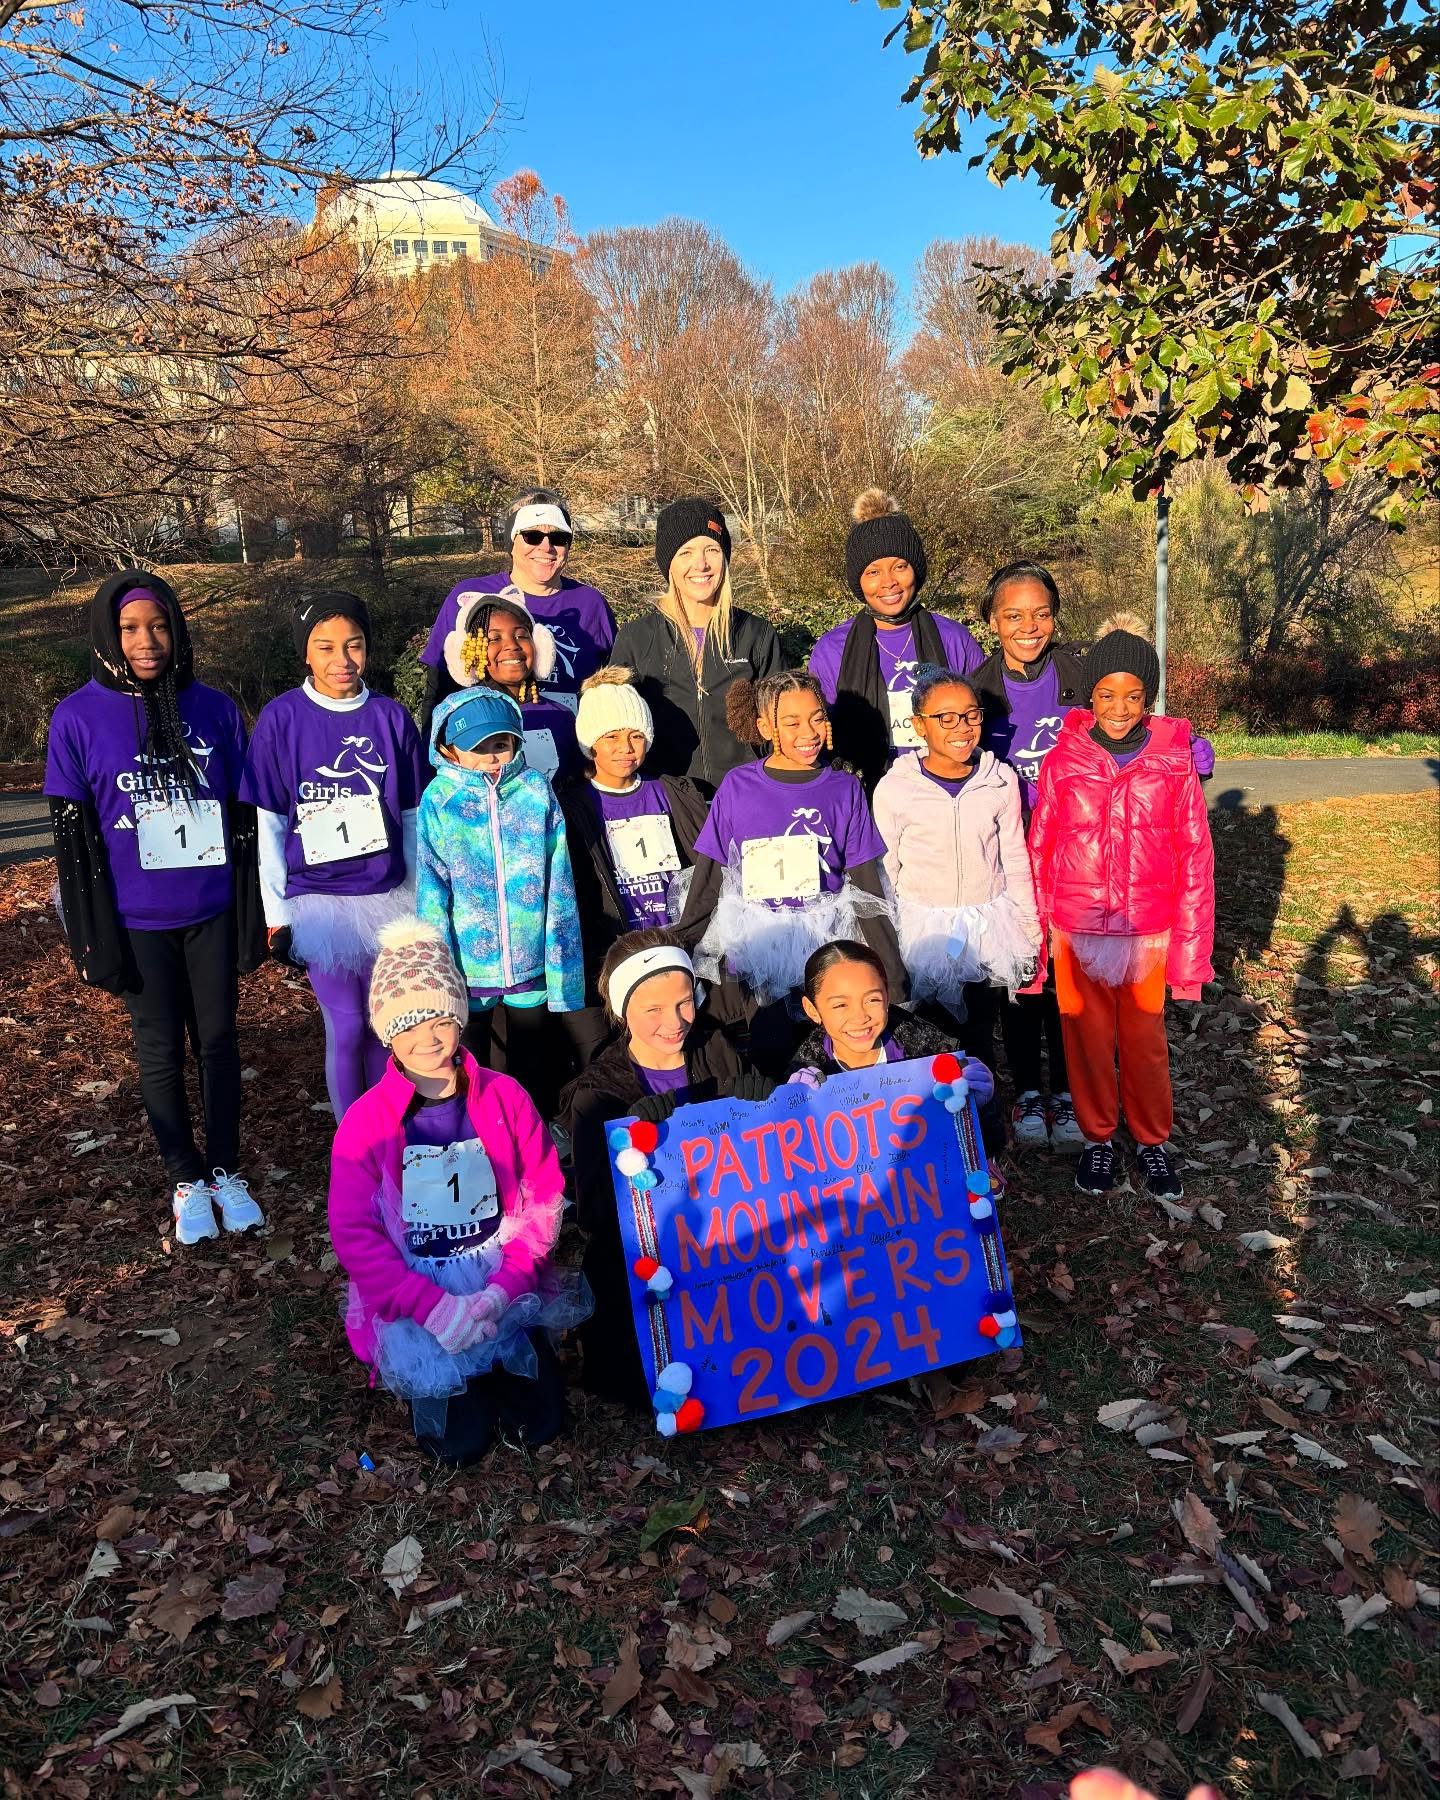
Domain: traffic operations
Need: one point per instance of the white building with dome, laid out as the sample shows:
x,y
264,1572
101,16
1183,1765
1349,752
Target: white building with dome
x,y
413,224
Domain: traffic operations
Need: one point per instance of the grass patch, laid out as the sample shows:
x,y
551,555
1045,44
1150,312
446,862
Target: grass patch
x,y
1230,742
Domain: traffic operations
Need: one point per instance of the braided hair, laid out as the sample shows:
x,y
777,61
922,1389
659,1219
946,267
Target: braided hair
x,y
475,651
163,747
748,702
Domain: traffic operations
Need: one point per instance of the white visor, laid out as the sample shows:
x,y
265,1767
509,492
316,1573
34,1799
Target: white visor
x,y
628,975
541,518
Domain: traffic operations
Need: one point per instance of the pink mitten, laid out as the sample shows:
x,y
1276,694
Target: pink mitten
x,y
457,1321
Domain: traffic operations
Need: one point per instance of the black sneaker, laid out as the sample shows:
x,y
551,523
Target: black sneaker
x,y
1095,1169
1158,1172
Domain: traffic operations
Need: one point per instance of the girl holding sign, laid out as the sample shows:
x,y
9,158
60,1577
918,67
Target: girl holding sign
x,y
1125,876
493,878
866,667
630,834
143,770
789,858
445,1203
664,1057
539,533
496,643
846,997
335,773
957,861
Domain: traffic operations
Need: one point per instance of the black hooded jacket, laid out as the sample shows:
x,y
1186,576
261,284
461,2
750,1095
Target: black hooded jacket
x,y
98,942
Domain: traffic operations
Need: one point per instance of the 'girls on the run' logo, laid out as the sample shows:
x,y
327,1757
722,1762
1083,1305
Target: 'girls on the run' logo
x,y
358,760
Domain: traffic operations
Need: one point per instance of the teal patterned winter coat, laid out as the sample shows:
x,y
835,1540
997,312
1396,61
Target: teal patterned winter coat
x,y
492,874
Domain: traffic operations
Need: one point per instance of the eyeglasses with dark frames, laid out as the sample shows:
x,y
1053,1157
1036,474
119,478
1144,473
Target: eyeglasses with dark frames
x,y
947,721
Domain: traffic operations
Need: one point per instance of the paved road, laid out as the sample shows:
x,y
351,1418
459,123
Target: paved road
x,y
1253,782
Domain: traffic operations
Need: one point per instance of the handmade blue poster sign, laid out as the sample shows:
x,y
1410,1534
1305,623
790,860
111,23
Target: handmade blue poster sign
x,y
828,1240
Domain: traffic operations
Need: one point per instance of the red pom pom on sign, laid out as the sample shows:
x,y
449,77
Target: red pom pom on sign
x,y
644,1267
645,1135
990,1326
689,1415
946,1067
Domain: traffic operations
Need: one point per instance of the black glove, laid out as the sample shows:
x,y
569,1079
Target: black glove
x,y
751,1086
655,1107
278,942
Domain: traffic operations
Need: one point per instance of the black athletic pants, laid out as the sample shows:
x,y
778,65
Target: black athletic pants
x,y
188,983
532,1406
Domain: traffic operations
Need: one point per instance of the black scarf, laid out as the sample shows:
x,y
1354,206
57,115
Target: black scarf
x,y
1133,739
1031,671
861,713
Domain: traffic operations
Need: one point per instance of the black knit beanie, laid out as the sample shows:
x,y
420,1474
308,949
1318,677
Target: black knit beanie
x,y
311,610
881,530
686,519
1121,653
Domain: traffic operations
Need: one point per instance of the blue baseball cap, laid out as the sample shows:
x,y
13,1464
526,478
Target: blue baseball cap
x,y
482,715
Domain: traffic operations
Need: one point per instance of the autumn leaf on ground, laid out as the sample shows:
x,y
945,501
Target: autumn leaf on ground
x,y
183,1605
1046,1733
1388,1452
203,1481
1002,1602
1360,1615
139,1712
784,1629
624,1684
1202,1531
1193,1705
252,1595
320,1702
699,1649
871,1617
1358,1524
115,1524
1278,1708
402,1564
885,1660
670,1516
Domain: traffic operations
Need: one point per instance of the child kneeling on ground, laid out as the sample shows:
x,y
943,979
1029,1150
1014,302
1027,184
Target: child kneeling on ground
x,y
1125,879
445,1203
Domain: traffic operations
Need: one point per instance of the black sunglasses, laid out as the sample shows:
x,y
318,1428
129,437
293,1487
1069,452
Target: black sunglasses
x,y
560,539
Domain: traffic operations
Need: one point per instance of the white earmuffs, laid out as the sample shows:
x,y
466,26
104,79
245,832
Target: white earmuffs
x,y
470,604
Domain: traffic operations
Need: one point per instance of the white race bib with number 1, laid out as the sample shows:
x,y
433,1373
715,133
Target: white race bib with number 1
x,y
903,735
180,834
780,868
642,848
335,830
540,751
447,1191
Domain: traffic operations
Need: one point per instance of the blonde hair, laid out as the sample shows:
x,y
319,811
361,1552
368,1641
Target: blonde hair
x,y
718,630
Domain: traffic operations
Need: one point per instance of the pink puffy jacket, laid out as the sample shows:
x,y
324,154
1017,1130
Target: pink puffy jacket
x,y
365,1184
1125,852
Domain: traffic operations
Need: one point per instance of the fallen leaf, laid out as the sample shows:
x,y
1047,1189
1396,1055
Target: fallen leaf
x,y
1358,1614
104,1561
528,1753
1212,1215
1360,1764
320,1702
48,1694
672,1515
885,1660
164,1334
139,1712
115,1525
1421,1297
252,1595
203,1481
1241,1438
1201,1529
1000,1437
1386,1450
1193,1705
402,1564
1002,1602
1046,1733
1317,1452
1357,1525
1117,1414
183,1605
784,1629
698,1650
1277,1709
1263,1240
624,1684
871,1617
422,1615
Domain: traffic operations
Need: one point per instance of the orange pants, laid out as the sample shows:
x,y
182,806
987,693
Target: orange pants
x,y
1101,1024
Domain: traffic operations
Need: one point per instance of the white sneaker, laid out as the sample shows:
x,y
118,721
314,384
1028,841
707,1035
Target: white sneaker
x,y
193,1213
1065,1134
237,1208
1027,1121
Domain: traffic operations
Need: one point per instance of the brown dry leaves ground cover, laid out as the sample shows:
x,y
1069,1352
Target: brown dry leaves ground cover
x,y
1188,1530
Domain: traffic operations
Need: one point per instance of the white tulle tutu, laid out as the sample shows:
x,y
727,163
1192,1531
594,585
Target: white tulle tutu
x,y
340,931
943,947
1117,961
767,946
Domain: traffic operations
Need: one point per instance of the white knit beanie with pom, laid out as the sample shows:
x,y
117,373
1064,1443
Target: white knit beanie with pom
x,y
414,979
610,701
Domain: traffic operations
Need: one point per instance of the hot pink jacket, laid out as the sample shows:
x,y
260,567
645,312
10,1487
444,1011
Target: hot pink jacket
x,y
365,1171
1125,852
964,850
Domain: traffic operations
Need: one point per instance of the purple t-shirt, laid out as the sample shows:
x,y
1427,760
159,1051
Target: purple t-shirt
x,y
579,616
169,861
431,1227
951,784
1028,735
830,807
662,1081
896,650
641,894
304,757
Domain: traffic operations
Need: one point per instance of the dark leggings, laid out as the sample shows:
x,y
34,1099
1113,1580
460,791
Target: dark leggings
x,y
1030,1024
526,1042
532,1406
188,982
587,1031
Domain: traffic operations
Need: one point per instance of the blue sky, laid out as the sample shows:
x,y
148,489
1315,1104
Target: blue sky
x,y
779,125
